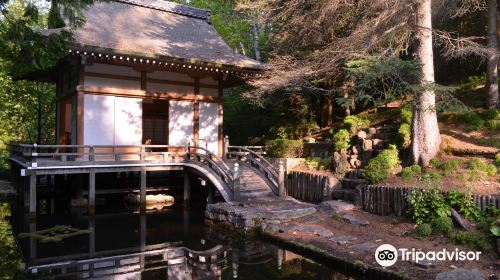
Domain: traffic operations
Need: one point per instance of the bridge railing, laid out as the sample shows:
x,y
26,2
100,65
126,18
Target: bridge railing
x,y
212,161
266,168
53,155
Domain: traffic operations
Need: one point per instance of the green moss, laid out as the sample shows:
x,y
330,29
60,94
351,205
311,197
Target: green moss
x,y
318,163
337,217
404,134
480,170
449,166
423,230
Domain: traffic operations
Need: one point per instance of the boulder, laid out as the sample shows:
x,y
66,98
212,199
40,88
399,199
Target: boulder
x,y
331,207
151,199
460,273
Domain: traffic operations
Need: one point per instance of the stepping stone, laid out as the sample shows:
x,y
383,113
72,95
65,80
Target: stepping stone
x,y
460,273
314,230
363,247
311,219
425,263
341,240
335,207
353,220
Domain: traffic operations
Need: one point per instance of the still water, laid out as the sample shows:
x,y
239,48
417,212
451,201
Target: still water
x,y
172,243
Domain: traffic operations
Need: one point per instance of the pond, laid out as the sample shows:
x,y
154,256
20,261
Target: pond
x,y
171,243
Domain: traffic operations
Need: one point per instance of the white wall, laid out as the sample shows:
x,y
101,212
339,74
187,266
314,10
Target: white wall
x,y
128,121
180,126
98,120
115,70
110,120
209,128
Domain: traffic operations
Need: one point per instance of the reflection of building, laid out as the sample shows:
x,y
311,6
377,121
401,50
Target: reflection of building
x,y
145,72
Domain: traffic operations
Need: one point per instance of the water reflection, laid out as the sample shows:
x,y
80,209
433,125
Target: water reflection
x,y
173,243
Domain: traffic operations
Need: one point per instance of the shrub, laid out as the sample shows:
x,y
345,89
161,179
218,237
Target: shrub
x,y
435,162
443,224
411,171
464,203
379,167
284,148
449,166
427,204
423,230
492,124
406,115
471,239
342,140
472,121
491,114
404,134
318,163
486,168
497,159
354,123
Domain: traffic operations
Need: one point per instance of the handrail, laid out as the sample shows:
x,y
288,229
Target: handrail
x,y
264,166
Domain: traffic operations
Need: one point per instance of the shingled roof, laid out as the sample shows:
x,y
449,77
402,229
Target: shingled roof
x,y
159,29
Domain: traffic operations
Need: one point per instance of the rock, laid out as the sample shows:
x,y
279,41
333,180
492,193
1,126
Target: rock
x,y
363,247
378,143
367,145
361,134
311,219
356,149
460,273
331,207
151,199
458,219
341,240
367,155
353,220
287,228
425,263
372,130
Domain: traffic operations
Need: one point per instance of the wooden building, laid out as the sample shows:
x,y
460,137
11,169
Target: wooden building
x,y
146,72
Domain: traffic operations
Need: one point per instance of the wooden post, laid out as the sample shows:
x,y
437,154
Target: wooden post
x,y
211,194
187,188
91,192
142,194
225,147
32,196
281,179
236,183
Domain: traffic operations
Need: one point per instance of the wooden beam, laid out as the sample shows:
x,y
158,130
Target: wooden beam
x,y
147,94
32,196
91,195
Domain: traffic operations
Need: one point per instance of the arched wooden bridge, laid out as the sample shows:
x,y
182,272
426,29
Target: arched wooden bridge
x,y
240,174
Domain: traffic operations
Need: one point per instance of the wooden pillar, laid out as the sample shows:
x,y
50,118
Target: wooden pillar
x,y
91,191
225,147
33,253
142,194
32,196
26,192
211,194
187,188
281,179
236,183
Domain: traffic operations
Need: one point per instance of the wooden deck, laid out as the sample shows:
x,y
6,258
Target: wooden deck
x,y
30,161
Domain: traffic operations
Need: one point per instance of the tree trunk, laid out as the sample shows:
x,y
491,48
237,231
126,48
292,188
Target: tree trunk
x,y
425,138
256,46
492,72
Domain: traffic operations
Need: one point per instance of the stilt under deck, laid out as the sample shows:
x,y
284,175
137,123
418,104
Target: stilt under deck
x,y
29,162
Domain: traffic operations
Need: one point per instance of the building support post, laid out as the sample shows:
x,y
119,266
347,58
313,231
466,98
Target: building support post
x,y
32,196
142,195
92,192
211,194
281,179
187,188
236,183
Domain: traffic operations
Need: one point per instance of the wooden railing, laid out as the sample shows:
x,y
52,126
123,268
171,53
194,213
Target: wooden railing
x,y
245,154
212,161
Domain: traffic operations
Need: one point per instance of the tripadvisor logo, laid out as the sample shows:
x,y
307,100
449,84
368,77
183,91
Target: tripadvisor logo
x,y
387,255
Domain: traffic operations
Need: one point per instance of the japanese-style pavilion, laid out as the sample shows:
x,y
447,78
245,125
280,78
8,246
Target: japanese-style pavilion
x,y
146,72
140,90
